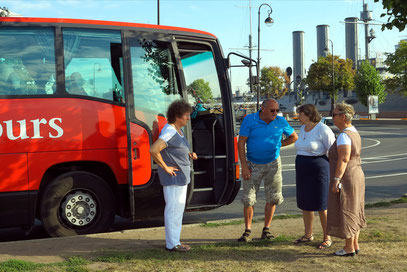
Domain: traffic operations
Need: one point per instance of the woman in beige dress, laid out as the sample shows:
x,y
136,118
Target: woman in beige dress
x,y
346,200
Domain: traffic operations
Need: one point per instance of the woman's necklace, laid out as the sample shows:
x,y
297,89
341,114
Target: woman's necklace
x,y
307,129
178,129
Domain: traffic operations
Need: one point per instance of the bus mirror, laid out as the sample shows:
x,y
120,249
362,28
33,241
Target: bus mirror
x,y
246,63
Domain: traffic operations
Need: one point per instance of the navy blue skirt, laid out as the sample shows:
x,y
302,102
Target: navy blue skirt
x,y
312,182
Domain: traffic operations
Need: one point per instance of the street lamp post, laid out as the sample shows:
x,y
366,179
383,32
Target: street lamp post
x,y
333,71
158,12
268,21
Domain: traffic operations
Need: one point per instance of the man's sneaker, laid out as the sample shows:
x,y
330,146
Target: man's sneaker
x,y
245,236
266,235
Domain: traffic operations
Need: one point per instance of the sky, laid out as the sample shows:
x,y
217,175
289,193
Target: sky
x,y
231,20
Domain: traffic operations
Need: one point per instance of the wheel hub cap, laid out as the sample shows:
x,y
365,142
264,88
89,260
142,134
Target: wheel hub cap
x,y
79,208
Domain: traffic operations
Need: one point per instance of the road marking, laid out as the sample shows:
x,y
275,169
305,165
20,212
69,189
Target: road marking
x,y
373,145
371,177
380,159
387,160
383,176
385,156
379,132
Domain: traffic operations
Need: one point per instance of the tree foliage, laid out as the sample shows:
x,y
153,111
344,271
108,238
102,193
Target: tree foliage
x,y
273,82
397,12
397,66
367,82
319,78
200,90
4,12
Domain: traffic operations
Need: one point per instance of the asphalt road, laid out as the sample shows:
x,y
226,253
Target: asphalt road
x,y
384,161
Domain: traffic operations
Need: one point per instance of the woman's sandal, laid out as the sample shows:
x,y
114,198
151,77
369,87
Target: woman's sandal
x,y
304,239
327,243
179,248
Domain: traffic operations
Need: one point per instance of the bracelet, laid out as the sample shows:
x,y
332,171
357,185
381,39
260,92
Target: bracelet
x,y
337,179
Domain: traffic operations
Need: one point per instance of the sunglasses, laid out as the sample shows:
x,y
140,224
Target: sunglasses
x,y
277,110
335,114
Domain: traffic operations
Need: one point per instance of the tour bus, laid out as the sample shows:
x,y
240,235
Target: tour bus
x,y
82,101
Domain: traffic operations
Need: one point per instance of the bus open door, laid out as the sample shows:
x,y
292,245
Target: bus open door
x,y
161,69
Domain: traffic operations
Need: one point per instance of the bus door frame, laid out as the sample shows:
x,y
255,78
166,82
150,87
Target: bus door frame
x,y
232,186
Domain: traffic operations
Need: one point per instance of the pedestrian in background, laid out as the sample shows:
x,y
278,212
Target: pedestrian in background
x,y
171,153
262,133
346,200
312,171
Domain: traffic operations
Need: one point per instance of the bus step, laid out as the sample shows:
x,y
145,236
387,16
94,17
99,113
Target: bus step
x,y
203,189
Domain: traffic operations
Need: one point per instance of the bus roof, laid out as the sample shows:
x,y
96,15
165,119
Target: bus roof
x,y
99,22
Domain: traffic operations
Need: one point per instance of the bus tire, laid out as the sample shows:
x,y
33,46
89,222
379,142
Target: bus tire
x,y
77,203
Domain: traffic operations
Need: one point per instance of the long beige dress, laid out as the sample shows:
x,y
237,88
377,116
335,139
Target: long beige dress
x,y
346,209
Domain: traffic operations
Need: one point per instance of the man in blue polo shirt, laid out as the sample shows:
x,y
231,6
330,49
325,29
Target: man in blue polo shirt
x,y
262,133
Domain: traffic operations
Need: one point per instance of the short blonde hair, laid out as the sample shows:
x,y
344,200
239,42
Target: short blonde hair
x,y
346,109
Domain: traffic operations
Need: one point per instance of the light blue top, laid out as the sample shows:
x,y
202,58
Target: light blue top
x,y
264,140
175,154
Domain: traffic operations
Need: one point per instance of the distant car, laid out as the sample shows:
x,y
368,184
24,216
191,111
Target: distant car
x,y
330,123
327,121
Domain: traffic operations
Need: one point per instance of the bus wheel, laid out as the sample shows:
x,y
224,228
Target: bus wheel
x,y
77,203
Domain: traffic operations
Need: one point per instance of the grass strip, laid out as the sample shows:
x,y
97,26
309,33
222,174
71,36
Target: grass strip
x,y
18,265
383,204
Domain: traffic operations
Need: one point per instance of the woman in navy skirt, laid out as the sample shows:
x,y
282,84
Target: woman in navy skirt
x,y
312,171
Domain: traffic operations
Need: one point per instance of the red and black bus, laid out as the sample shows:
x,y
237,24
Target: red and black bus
x,y
81,103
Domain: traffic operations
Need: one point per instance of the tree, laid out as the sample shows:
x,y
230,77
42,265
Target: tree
x,y
200,90
273,82
319,78
4,12
367,82
397,12
397,66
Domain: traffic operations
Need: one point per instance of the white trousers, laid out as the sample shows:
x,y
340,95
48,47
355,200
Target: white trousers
x,y
175,197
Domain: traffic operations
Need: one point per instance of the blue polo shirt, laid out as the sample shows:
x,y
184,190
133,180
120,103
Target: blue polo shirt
x,y
264,140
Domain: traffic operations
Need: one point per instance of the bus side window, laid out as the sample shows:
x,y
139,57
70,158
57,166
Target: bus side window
x,y
5,71
93,63
76,83
28,55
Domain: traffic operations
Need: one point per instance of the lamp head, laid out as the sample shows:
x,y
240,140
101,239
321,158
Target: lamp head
x,y
269,21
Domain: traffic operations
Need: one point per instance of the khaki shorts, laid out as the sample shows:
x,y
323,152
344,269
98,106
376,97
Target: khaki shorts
x,y
271,174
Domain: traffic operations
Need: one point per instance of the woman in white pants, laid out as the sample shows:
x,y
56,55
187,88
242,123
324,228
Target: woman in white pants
x,y
171,153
